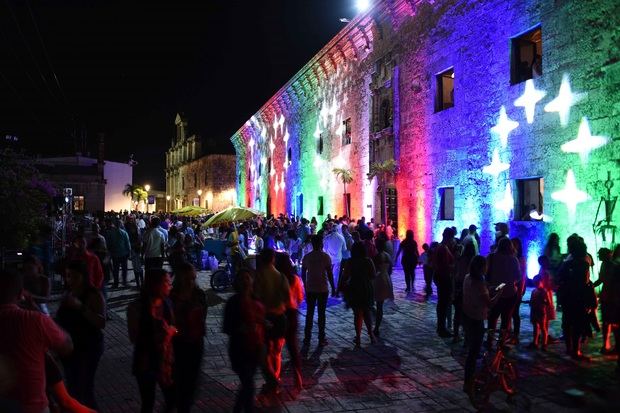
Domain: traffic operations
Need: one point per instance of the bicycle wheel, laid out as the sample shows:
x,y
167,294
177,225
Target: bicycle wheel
x,y
220,280
508,377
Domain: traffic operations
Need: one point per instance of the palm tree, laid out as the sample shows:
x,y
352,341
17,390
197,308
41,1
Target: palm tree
x,y
137,193
346,177
382,171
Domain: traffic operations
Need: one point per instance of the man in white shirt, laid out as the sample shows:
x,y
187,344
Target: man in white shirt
x,y
334,245
154,245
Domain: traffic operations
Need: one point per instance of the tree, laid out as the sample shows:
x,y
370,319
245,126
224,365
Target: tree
x,y
26,200
346,177
137,193
382,171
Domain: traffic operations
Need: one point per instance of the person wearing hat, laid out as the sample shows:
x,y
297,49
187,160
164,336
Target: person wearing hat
x,y
473,238
501,232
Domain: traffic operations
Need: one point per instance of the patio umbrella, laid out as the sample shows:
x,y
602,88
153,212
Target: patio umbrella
x,y
232,214
191,211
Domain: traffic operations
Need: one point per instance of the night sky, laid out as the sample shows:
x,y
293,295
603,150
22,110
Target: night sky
x,y
71,69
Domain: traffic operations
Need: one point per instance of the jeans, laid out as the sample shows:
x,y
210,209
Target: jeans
x,y
80,368
474,335
245,395
504,308
146,385
428,278
444,298
136,263
312,299
118,263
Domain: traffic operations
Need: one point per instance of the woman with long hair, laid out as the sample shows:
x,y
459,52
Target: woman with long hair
x,y
409,249
151,325
552,251
296,290
476,304
383,288
358,274
82,315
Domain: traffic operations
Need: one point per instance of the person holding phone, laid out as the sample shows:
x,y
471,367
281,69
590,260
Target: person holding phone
x,y
476,304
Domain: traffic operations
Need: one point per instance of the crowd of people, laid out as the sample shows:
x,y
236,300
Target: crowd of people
x,y
53,361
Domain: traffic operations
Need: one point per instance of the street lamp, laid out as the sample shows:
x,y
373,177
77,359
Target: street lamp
x,y
147,187
167,203
199,193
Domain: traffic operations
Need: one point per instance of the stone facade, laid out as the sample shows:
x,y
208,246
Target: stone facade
x,y
506,147
194,178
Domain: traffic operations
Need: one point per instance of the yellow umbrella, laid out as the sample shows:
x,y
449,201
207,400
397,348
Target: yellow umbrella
x,y
191,211
232,214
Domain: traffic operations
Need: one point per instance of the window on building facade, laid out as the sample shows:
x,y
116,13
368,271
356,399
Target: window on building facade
x,y
300,205
260,169
78,203
446,203
444,97
346,137
182,182
526,58
320,206
529,199
268,165
289,156
319,145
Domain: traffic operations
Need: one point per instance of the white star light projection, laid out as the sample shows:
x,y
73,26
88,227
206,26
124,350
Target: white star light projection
x,y
507,203
496,166
585,142
570,195
504,126
528,100
286,135
565,99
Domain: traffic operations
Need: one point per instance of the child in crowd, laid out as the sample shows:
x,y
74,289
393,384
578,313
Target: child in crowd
x,y
541,308
426,268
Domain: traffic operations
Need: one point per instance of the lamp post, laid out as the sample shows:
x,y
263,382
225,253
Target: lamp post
x,y
167,203
199,193
147,188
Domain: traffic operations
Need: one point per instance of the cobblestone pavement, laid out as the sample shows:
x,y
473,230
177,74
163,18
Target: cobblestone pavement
x,y
409,370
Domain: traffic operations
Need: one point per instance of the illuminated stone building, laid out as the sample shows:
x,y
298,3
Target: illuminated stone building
x,y
493,110
196,178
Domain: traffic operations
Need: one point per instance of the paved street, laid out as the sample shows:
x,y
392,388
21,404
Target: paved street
x,y
410,369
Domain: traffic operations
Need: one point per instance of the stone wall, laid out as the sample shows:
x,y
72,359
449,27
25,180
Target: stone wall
x,y
215,177
451,148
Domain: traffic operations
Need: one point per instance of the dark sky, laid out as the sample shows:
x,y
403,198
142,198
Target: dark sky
x,y
126,67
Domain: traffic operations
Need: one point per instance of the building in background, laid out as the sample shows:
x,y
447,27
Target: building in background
x,y
493,111
96,185
194,177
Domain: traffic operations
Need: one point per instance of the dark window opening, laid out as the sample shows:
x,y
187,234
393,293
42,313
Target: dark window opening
x,y
268,166
300,205
260,169
319,145
526,59
346,138
529,199
183,182
446,204
320,206
289,156
391,200
444,98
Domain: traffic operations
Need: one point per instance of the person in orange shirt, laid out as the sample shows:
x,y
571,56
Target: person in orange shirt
x,y
296,292
80,253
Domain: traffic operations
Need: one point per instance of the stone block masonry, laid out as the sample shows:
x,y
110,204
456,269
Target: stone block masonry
x,y
510,148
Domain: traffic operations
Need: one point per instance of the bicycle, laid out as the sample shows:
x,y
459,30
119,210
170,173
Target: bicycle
x,y
222,278
497,373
